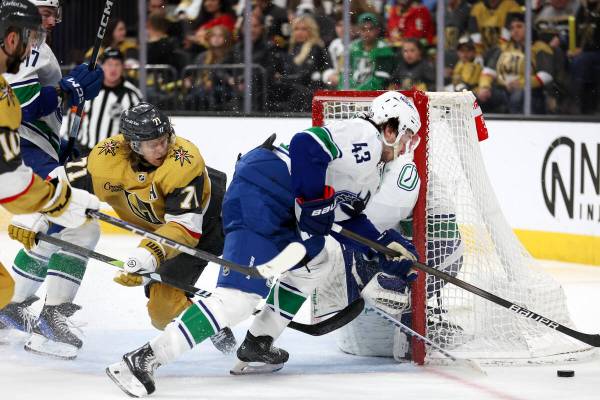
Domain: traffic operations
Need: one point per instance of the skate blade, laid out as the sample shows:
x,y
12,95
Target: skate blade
x,y
125,380
248,368
41,345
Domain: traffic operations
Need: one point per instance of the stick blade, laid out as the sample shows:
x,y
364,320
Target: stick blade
x,y
284,261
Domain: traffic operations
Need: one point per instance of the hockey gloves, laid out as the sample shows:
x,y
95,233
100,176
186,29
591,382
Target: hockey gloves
x,y
316,217
401,265
81,84
144,258
24,227
68,205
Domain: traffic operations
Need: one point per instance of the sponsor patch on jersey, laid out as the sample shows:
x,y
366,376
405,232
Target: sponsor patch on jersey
x,y
182,155
408,178
109,147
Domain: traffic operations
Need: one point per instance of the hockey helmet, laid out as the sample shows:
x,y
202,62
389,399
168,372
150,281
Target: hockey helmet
x,y
50,3
394,105
23,15
144,122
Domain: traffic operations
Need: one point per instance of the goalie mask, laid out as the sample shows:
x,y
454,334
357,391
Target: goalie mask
x,y
144,122
396,109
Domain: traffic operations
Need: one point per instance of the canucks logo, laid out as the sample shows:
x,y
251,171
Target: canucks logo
x,y
408,178
109,147
141,209
182,155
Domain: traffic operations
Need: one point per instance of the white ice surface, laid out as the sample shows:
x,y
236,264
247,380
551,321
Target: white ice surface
x,y
116,322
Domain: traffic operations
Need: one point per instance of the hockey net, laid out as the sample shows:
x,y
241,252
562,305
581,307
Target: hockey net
x,y
458,227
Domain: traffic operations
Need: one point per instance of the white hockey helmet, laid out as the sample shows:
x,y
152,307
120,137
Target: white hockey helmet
x,y
394,104
50,3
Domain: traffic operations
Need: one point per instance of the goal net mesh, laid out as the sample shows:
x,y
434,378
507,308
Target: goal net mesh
x,y
467,236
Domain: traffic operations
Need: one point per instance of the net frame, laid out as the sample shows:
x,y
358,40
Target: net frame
x,y
345,104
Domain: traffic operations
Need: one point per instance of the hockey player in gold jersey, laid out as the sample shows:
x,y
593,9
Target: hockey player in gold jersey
x,y
160,182
21,191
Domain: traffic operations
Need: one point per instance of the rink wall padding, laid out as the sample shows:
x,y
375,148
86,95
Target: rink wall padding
x,y
546,175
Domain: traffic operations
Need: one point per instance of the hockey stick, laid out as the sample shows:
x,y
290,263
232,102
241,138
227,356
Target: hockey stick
x,y
74,132
461,361
285,260
84,252
591,339
321,328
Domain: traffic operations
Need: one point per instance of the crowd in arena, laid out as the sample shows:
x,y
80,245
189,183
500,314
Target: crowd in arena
x,y
297,48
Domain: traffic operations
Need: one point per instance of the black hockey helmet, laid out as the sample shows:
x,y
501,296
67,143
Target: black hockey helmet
x,y
23,15
144,122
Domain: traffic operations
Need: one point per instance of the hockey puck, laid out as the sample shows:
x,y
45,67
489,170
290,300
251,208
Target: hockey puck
x,y
565,373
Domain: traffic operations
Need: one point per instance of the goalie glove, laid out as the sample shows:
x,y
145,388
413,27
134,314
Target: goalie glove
x,y
24,227
68,205
400,265
144,258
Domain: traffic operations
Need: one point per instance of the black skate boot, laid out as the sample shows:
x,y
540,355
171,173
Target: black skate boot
x,y
135,373
259,351
18,316
224,341
52,334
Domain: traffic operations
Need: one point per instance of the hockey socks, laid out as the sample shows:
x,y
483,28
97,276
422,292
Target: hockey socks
x,y
283,303
196,324
30,271
65,272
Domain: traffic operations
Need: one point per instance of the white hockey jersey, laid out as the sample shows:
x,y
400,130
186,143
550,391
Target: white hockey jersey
x,y
354,171
40,69
397,194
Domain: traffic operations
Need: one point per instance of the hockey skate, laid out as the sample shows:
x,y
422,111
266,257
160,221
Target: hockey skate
x,y
224,341
258,356
135,373
17,316
52,334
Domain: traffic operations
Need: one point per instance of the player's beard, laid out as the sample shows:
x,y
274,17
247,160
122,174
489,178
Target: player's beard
x,y
12,64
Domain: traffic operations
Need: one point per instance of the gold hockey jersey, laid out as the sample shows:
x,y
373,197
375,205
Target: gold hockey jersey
x,y
169,200
21,191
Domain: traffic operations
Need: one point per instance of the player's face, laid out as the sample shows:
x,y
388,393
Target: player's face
x,y
155,151
407,142
16,50
50,17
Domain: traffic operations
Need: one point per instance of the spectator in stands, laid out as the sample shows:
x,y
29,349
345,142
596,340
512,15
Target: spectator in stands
x,y
276,23
159,7
115,37
585,64
302,70
357,8
336,53
212,13
162,48
325,22
264,54
409,19
467,71
506,73
212,89
487,22
101,115
413,71
371,59
456,24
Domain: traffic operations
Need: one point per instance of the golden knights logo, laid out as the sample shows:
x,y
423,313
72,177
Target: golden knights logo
x,y
109,147
6,92
182,155
141,209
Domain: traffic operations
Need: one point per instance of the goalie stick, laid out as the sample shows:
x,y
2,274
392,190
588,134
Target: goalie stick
x,y
460,361
74,132
321,328
591,339
285,260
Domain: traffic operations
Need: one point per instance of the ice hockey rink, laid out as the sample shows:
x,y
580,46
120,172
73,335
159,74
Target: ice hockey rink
x,y
115,321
